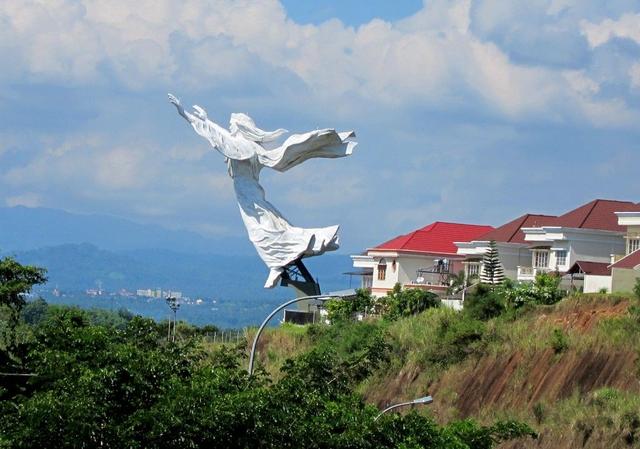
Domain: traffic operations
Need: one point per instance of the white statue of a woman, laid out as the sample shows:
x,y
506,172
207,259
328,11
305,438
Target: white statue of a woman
x,y
247,150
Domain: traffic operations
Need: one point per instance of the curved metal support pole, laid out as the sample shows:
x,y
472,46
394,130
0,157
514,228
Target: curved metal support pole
x,y
424,400
266,320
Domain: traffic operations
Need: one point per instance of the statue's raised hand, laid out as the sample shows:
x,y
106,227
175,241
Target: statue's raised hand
x,y
174,100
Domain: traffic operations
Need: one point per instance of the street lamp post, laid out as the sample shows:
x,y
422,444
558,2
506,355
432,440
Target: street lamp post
x,y
174,305
424,400
266,320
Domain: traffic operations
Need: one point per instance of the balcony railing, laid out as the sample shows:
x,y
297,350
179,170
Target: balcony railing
x,y
529,273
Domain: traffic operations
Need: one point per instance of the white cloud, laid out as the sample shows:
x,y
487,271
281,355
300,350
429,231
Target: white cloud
x,y
146,178
424,94
431,57
581,83
26,199
626,27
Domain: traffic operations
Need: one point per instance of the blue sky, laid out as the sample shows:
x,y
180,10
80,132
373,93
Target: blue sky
x,y
466,110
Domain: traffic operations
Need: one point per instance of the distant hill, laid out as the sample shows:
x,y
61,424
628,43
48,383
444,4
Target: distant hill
x,y
23,228
234,281
79,251
76,267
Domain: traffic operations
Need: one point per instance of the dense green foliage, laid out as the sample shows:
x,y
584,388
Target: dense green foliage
x,y
346,309
16,281
406,302
486,302
544,290
99,385
397,303
81,379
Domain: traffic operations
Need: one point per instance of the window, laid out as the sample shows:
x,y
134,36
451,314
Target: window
x,y
561,257
633,245
367,281
473,269
541,259
382,270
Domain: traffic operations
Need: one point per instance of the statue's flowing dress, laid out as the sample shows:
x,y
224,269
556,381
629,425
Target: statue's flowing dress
x,y
277,241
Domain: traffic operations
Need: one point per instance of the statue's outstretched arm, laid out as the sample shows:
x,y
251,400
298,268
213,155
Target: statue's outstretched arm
x,y
176,102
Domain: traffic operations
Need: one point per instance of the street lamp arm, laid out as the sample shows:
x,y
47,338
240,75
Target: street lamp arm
x,y
266,320
423,400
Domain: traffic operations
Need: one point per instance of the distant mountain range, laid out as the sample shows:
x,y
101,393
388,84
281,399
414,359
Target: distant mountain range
x,y
77,267
80,251
23,228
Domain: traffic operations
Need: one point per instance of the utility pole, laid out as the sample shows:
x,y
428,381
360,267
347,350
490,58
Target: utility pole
x,y
174,305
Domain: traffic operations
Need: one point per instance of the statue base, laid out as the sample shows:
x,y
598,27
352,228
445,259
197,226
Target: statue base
x,y
298,277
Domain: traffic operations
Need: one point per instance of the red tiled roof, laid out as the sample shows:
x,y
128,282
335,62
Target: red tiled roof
x,y
594,268
511,233
436,238
629,261
597,214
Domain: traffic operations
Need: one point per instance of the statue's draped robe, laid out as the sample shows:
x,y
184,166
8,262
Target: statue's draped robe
x,y
277,241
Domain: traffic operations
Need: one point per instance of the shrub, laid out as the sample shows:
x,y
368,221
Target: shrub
x,y
484,303
339,310
539,412
456,337
636,288
544,290
411,301
344,309
559,341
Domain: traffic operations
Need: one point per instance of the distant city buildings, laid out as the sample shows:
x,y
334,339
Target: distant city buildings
x,y
158,293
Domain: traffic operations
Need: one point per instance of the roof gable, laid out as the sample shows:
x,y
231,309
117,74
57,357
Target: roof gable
x,y
511,232
592,268
596,214
436,238
629,261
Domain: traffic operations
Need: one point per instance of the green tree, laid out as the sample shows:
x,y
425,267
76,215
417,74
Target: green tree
x,y
401,302
16,281
344,309
492,271
484,303
544,290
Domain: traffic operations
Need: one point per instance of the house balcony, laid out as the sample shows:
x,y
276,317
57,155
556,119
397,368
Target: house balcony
x,y
528,274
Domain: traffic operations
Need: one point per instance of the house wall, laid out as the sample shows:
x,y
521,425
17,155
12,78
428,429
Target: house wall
x,y
511,256
581,244
406,267
595,250
392,274
623,279
593,283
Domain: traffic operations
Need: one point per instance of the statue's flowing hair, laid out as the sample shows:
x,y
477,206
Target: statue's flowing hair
x,y
244,125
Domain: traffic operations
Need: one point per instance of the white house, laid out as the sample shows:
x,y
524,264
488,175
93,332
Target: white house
x,y
424,258
534,243
509,238
589,233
